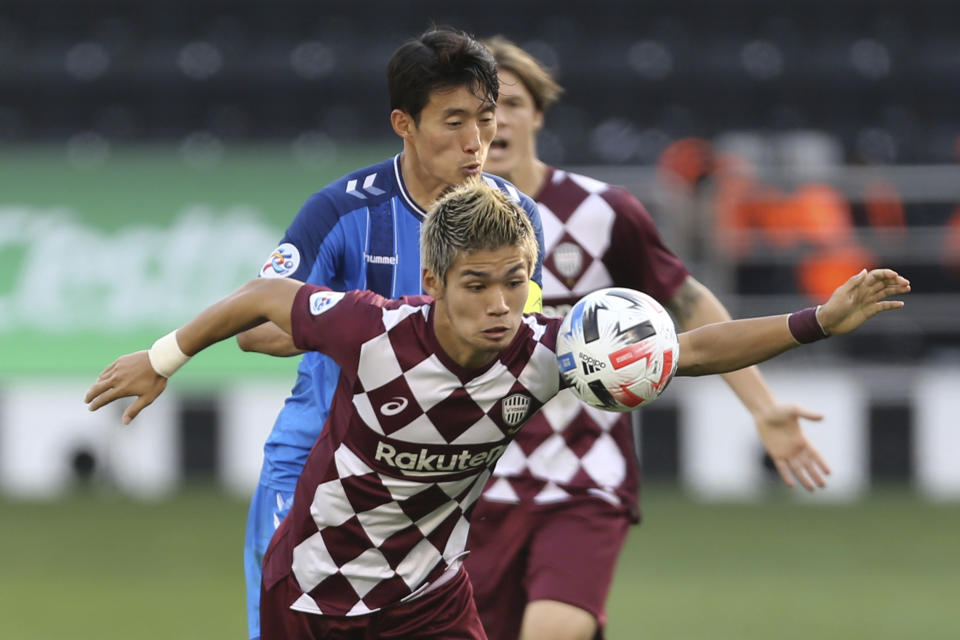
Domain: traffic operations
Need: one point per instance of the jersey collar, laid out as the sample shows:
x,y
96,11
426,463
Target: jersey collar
x,y
414,208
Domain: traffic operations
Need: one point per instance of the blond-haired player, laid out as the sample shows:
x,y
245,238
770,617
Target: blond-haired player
x,y
430,393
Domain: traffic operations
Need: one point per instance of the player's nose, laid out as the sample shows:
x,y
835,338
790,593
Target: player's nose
x,y
471,139
497,305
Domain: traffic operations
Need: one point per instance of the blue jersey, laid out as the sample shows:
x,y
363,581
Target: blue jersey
x,y
360,232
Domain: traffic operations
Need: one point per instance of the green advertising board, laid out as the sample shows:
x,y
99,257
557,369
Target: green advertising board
x,y
105,251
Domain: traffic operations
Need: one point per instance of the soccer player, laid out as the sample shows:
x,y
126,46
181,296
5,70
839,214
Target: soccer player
x,y
428,397
362,232
571,475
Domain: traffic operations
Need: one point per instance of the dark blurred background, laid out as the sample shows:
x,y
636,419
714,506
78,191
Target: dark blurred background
x,y
878,76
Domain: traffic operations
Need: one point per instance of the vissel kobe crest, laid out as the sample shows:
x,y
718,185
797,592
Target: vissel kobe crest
x,y
514,409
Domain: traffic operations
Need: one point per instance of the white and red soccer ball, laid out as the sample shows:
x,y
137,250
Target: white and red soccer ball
x,y
617,349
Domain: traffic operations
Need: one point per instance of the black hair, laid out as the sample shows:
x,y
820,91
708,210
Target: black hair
x,y
442,57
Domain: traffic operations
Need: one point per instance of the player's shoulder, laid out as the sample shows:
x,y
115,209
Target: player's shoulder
x,y
558,176
541,328
398,308
361,188
565,182
508,188
355,303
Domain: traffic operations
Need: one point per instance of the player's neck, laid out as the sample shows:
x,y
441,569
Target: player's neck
x,y
529,176
454,348
423,188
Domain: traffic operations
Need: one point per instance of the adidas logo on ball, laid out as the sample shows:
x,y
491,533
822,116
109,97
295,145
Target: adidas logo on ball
x,y
590,364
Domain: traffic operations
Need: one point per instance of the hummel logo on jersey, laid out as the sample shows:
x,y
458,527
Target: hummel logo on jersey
x,y
395,406
590,364
367,186
380,259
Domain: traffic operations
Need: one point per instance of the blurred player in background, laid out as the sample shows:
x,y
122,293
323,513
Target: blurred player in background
x,y
569,481
363,232
429,394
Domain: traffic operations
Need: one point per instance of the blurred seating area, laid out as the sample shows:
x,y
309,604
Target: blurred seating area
x,y
878,75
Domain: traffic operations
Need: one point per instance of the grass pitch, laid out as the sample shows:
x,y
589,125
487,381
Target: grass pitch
x,y
102,567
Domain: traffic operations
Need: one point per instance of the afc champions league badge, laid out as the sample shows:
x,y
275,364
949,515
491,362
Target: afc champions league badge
x,y
283,262
514,410
322,301
568,261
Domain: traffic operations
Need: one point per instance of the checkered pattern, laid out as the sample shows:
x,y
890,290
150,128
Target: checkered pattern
x,y
577,225
378,538
595,236
382,508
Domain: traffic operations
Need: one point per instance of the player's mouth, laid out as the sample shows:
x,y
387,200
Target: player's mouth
x,y
496,333
472,169
499,144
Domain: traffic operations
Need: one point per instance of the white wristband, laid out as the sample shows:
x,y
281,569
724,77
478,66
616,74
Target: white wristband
x,y
165,355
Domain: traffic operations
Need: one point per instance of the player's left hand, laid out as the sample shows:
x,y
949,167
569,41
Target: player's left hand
x,y
788,447
860,298
129,375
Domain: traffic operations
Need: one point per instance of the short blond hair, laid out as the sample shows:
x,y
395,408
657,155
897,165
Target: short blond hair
x,y
535,77
471,217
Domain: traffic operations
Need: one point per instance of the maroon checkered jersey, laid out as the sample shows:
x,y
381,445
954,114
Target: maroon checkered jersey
x,y
595,235
382,506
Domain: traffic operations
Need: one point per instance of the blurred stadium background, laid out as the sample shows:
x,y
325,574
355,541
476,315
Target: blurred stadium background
x,y
151,154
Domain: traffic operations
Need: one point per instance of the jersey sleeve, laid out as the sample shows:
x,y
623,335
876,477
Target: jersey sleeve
x,y
334,323
311,247
637,257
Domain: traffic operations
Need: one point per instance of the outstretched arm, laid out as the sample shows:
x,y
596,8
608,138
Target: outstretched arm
x,y
136,375
728,346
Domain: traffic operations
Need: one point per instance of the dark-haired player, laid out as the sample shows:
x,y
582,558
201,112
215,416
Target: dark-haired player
x,y
362,232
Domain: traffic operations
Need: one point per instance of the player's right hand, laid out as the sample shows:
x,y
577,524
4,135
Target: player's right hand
x,y
129,375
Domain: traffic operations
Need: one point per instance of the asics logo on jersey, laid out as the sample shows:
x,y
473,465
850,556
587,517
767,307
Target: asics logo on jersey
x,y
395,406
422,461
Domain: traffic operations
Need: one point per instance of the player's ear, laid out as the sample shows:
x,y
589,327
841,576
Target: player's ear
x,y
432,284
537,120
402,123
